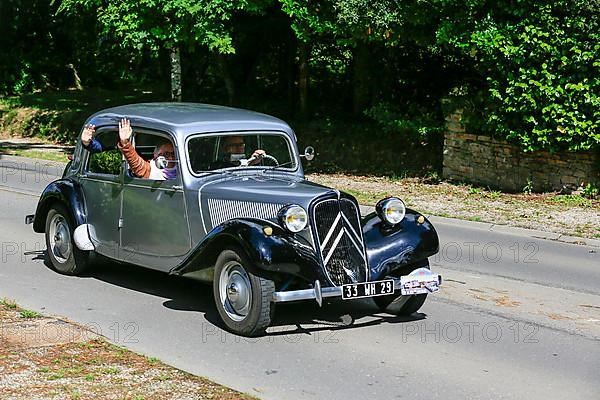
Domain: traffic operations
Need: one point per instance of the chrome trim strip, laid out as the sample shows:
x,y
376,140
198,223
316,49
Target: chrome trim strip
x,y
112,182
364,247
328,236
306,294
335,291
171,188
359,248
352,228
333,247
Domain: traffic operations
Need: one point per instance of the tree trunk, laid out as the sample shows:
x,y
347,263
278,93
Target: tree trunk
x,y
227,78
304,55
175,74
287,67
362,78
76,79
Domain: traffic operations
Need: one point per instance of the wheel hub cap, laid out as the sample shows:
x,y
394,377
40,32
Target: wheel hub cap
x,y
61,239
236,295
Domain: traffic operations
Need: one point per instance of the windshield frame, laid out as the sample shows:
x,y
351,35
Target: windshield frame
x,y
292,148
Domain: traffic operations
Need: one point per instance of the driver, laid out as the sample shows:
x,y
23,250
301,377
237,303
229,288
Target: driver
x,y
233,151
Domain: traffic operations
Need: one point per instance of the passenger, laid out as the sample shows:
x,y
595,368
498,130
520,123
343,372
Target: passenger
x,y
88,140
139,167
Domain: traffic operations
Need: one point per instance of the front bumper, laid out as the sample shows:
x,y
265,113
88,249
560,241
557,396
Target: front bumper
x,y
318,293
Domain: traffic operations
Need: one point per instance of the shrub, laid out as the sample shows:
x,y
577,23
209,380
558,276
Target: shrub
x,y
540,65
107,162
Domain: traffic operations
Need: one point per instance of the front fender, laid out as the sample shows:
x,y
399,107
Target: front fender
x,y
390,248
65,191
280,253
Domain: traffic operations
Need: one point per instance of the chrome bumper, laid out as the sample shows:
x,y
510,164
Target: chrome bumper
x,y
318,293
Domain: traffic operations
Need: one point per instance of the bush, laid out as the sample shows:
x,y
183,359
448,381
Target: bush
x,y
106,162
540,66
417,123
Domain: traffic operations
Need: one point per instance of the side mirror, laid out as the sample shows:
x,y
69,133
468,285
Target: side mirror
x,y
309,153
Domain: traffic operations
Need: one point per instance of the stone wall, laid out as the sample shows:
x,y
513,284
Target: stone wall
x,y
484,161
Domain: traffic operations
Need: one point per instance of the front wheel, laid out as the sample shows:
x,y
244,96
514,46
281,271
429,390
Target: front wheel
x,y
244,300
403,305
64,256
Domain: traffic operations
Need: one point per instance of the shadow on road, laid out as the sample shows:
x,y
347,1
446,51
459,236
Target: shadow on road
x,y
302,318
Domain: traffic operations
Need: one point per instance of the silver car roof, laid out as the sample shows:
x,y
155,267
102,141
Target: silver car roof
x,y
184,119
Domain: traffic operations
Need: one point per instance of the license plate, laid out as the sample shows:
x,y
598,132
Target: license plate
x,y
367,289
419,284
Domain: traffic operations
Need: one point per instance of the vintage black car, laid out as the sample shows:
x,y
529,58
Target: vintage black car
x,y
250,224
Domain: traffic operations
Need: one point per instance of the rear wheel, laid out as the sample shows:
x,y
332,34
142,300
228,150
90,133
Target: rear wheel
x,y
64,256
403,305
244,300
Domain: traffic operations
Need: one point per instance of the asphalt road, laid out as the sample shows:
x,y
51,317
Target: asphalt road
x,y
517,317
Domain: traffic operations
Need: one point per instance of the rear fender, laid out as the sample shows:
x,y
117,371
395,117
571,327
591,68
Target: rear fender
x,y
66,192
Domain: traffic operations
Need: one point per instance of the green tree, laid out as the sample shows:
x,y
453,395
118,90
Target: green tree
x,y
166,24
536,67
366,27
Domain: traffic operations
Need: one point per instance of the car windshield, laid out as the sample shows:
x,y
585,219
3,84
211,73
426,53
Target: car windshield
x,y
240,150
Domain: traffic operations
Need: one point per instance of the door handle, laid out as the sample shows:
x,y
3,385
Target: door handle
x,y
176,187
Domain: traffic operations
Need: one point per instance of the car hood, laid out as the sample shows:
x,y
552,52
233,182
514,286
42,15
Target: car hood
x,y
263,190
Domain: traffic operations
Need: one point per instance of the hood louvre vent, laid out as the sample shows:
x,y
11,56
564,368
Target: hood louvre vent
x,y
224,210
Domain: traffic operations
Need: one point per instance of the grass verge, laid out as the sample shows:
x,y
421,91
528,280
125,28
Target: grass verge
x,y
48,155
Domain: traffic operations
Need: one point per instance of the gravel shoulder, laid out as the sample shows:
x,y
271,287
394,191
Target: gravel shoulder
x,y
573,214
49,358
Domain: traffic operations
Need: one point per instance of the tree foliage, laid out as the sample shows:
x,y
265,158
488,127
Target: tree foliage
x,y
538,71
157,24
522,70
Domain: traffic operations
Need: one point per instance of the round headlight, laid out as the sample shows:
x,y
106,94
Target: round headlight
x,y
293,218
391,210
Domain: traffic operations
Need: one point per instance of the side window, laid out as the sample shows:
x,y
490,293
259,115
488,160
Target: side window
x,y
149,145
108,161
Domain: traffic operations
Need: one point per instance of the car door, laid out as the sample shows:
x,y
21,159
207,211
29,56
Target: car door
x,y
155,231
102,189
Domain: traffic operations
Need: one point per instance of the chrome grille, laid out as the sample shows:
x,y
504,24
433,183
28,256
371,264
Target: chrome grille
x,y
339,240
224,210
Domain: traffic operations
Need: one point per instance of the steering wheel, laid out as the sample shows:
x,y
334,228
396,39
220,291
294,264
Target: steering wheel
x,y
248,162
270,157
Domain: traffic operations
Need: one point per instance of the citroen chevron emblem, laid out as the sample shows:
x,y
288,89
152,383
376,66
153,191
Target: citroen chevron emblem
x,y
339,241
346,229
